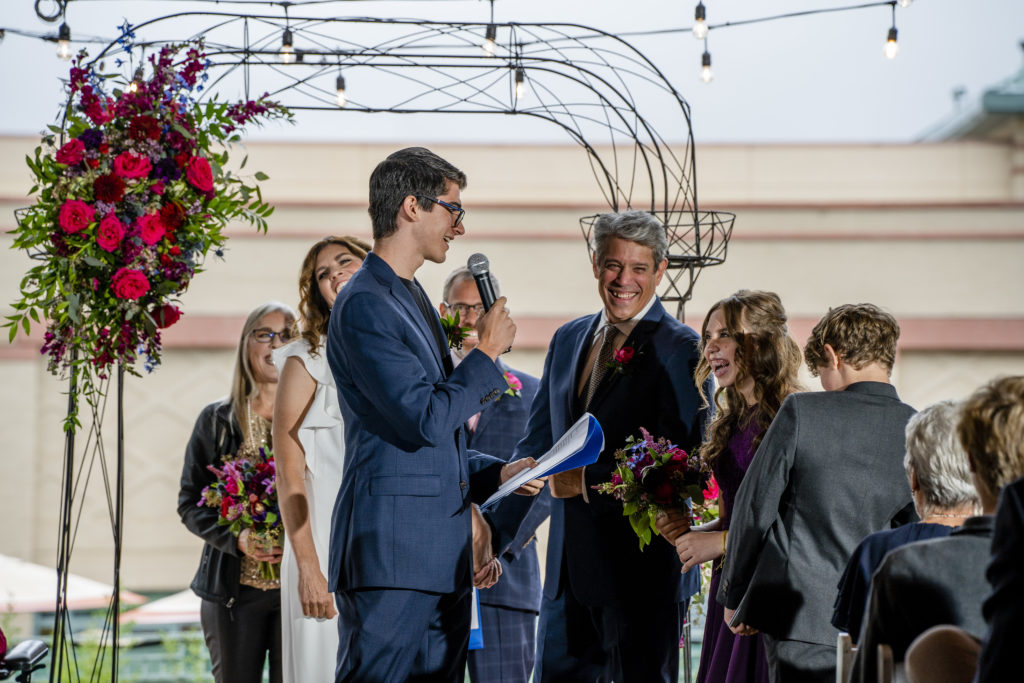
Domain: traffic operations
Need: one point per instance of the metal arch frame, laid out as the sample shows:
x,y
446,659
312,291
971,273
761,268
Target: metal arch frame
x,y
555,57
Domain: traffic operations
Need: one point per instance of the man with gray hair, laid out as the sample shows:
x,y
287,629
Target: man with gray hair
x,y
611,611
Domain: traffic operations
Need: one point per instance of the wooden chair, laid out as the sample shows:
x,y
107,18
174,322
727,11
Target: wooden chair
x,y
845,652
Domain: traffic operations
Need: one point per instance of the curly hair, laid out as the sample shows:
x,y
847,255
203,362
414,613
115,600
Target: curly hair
x,y
764,352
991,429
314,313
860,334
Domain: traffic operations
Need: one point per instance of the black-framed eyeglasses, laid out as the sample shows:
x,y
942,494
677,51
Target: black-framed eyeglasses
x,y
265,336
456,211
464,309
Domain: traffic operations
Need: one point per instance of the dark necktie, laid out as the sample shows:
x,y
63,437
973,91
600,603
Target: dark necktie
x,y
600,367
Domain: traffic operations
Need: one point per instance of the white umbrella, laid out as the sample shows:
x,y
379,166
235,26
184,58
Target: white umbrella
x,y
179,608
28,587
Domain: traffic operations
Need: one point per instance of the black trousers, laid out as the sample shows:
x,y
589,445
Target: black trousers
x,y
241,636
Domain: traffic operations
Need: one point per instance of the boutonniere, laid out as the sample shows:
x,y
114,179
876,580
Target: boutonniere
x,y
454,330
514,385
623,357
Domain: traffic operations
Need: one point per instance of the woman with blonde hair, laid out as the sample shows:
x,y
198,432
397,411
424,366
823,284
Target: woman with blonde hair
x,y
745,344
310,448
240,612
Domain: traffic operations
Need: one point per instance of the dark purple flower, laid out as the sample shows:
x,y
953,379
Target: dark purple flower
x,y
166,169
91,138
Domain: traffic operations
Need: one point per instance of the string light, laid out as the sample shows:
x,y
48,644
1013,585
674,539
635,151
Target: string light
x,y
340,86
64,42
705,66
520,82
136,80
490,39
700,26
905,3
287,49
892,48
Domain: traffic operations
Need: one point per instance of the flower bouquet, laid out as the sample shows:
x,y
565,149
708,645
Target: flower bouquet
x,y
131,193
454,331
246,495
651,476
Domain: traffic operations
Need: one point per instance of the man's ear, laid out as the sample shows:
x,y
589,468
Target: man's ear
x,y
410,208
593,262
443,309
832,359
915,485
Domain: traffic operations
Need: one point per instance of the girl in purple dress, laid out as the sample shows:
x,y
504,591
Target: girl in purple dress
x,y
746,346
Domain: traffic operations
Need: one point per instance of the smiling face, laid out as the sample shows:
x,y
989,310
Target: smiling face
x,y
334,266
627,278
261,362
436,227
720,353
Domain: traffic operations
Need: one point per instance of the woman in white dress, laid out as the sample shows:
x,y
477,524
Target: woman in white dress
x,y
309,447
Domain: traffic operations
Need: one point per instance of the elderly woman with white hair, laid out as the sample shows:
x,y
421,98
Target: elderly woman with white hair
x,y
944,496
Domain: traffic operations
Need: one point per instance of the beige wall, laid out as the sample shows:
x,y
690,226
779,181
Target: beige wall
x,y
933,232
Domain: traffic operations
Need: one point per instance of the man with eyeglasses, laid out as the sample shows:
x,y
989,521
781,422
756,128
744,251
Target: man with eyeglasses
x,y
400,563
509,609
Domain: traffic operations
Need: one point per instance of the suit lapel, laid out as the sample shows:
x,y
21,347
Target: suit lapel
x,y
580,348
401,295
637,339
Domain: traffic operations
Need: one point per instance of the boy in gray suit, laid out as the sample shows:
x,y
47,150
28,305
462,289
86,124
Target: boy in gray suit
x,y
828,472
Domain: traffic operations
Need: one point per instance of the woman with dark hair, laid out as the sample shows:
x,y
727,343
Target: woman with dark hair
x,y
745,344
241,610
309,444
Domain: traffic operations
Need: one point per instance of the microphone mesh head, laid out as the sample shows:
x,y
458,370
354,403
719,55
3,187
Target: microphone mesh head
x,y
478,264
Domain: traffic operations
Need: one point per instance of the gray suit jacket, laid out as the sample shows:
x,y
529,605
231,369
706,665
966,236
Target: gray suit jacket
x,y
925,584
828,472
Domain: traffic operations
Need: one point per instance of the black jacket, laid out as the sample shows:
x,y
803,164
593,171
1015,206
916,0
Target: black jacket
x,y
215,435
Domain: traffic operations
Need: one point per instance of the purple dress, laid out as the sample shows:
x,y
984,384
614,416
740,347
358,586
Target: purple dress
x,y
725,657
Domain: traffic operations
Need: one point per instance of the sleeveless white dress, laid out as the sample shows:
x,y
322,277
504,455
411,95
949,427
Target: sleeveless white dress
x,y
310,645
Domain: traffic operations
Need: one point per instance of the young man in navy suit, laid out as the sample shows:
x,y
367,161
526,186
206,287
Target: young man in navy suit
x,y
611,611
508,610
400,557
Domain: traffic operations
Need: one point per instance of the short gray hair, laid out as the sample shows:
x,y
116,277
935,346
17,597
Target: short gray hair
x,y
462,274
636,226
935,454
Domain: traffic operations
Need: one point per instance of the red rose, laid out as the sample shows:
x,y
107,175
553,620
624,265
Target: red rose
x,y
199,174
108,188
181,159
624,355
175,250
166,315
75,216
71,153
110,233
158,187
93,163
173,215
104,148
131,165
151,228
129,283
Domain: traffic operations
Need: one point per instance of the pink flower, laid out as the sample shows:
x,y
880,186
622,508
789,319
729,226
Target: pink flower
x,y
71,153
624,355
110,233
711,492
158,187
513,382
199,174
129,283
131,165
75,216
151,228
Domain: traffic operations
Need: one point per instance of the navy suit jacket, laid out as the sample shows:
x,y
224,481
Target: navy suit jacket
x,y
655,391
402,518
500,428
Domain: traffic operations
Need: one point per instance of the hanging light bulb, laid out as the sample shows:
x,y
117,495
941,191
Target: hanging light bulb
x,y
136,80
700,27
287,49
905,3
892,48
705,67
64,42
490,39
340,84
520,82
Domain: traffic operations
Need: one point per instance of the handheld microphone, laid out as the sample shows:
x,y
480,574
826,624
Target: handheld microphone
x,y
480,267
